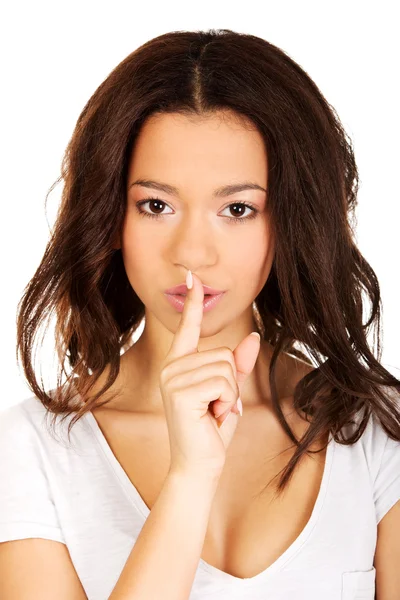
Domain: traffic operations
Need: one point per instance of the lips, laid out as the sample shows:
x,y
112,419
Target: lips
x,y
181,290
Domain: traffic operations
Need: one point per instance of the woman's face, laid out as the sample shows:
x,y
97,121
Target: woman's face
x,y
195,229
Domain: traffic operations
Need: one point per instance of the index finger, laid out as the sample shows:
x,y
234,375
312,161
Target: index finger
x,y
186,338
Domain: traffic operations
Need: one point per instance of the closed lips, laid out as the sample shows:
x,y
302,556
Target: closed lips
x,y
181,290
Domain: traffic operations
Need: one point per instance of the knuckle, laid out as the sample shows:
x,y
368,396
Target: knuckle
x,y
235,387
227,384
221,380
229,357
166,373
227,353
230,374
163,379
227,368
174,396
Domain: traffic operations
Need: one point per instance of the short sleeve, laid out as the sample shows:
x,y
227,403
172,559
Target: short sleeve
x,y
385,461
27,509
387,483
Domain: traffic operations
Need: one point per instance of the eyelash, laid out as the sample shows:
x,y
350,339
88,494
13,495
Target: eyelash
x,y
236,219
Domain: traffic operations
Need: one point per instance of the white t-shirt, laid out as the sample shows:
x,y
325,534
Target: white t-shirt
x,y
80,495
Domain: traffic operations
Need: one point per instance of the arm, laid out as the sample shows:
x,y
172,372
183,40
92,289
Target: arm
x,y
32,568
387,555
164,559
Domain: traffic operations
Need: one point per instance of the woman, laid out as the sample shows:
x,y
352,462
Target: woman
x,y
208,161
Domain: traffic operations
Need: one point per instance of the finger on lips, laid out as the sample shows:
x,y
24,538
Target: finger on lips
x,y
186,339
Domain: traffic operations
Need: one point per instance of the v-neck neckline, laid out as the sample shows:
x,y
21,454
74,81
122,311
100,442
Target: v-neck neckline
x,y
218,574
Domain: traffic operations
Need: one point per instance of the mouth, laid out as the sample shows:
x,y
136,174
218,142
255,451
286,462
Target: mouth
x,y
181,290
178,301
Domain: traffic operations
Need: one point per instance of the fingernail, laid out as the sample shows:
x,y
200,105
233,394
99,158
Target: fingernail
x,y
256,333
189,280
225,420
218,414
219,422
240,406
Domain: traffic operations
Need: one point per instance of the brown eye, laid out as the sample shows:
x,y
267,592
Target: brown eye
x,y
154,203
158,205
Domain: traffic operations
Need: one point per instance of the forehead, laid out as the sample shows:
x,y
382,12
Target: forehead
x,y
223,144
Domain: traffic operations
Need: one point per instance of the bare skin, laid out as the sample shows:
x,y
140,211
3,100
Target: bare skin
x,y
196,231
247,530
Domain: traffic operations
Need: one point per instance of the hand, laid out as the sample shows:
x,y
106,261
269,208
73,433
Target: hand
x,y
191,380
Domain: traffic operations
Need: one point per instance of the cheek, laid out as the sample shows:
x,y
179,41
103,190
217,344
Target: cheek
x,y
136,250
248,256
251,263
137,242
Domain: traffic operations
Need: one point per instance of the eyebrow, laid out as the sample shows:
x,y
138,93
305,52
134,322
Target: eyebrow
x,y
221,192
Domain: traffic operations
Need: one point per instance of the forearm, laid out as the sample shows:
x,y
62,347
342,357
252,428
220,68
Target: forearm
x,y
164,559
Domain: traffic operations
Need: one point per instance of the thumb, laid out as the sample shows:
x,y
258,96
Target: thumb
x,y
245,355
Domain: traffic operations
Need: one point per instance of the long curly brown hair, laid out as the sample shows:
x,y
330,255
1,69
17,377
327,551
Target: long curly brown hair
x,y
313,295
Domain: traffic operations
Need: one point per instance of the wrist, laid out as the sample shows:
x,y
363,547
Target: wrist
x,y
194,477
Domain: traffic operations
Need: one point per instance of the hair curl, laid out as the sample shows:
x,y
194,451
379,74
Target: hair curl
x,y
313,295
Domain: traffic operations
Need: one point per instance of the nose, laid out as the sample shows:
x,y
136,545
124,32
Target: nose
x,y
194,244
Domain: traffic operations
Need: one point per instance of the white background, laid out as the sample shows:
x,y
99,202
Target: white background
x,y
55,54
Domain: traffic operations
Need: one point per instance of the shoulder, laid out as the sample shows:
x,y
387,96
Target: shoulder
x,y
376,440
382,454
24,431
28,424
27,507
17,420
387,502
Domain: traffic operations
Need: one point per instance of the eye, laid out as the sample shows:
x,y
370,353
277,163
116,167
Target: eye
x,y
156,203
